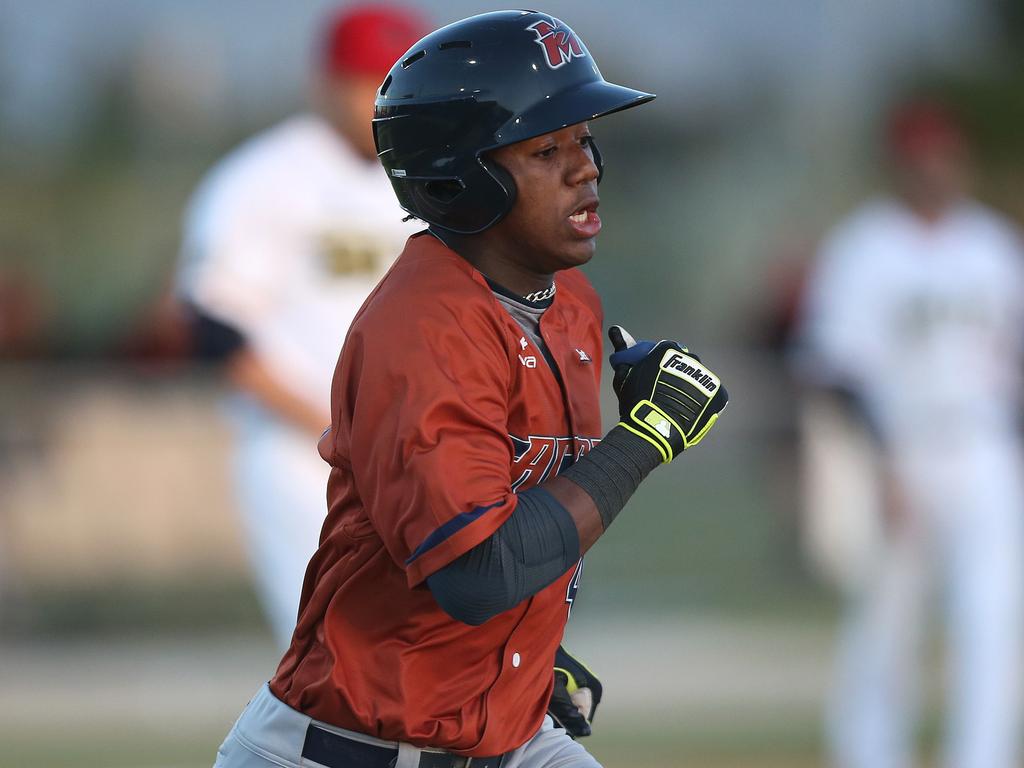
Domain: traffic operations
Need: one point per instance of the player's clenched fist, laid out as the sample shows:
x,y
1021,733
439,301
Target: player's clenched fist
x,y
666,394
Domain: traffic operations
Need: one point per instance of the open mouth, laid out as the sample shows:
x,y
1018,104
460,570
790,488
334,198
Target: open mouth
x,y
580,214
584,220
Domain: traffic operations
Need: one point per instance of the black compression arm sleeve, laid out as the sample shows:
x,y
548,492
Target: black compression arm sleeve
x,y
533,548
612,471
539,542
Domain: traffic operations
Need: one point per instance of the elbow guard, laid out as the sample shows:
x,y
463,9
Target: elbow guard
x,y
531,550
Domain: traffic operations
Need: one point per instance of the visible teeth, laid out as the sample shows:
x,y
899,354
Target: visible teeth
x,y
579,218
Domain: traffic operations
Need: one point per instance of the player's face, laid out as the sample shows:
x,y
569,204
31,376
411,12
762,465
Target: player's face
x,y
934,176
554,223
347,101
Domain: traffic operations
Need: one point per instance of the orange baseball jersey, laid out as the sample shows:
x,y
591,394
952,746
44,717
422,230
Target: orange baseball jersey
x,y
442,410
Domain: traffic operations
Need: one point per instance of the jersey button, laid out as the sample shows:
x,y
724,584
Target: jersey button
x,y
516,659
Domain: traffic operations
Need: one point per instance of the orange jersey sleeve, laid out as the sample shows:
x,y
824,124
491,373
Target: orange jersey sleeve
x,y
426,404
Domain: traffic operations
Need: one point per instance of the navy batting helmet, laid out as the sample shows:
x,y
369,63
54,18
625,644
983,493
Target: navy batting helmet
x,y
475,85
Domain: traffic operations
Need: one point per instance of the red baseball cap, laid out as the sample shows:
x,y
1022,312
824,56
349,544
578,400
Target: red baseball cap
x,y
367,39
919,127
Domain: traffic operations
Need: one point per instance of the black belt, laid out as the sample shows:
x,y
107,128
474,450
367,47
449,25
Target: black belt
x,y
336,751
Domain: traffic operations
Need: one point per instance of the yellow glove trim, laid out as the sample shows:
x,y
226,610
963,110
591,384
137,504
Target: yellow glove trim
x,y
666,456
665,445
570,684
707,428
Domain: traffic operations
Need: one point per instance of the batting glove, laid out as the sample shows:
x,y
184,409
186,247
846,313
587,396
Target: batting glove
x,y
667,396
576,695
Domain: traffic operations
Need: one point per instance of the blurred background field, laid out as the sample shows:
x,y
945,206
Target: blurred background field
x,y
129,632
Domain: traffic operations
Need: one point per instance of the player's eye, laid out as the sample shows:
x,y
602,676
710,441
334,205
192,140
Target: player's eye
x,y
547,151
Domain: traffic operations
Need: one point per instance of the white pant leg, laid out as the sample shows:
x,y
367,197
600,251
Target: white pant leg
x,y
267,734
281,485
985,549
551,747
874,701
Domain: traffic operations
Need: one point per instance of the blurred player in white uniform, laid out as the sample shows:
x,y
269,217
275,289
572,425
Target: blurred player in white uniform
x,y
284,239
914,320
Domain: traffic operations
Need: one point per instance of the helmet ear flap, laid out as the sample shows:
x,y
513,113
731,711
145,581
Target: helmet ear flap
x,y
468,204
505,181
444,191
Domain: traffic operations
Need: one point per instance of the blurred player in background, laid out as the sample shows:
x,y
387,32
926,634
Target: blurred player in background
x,y
913,330
284,239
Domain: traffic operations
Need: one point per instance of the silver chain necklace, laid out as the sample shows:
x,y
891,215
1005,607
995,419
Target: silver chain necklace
x,y
544,295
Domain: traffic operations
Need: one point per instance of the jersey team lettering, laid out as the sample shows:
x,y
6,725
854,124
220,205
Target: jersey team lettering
x,y
536,456
682,366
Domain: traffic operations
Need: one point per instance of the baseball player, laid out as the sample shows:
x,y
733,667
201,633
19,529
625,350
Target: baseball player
x,y
468,476
914,321
284,239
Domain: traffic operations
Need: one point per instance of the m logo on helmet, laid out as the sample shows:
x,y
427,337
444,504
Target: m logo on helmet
x,y
560,43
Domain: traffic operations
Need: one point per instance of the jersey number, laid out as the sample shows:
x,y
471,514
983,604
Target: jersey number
x,y
573,588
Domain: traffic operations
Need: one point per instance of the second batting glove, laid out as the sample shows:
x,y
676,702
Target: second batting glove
x,y
576,695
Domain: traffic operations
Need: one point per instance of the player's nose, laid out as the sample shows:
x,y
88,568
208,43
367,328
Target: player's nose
x,y
583,169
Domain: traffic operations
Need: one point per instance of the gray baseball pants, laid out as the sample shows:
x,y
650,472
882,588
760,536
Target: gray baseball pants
x,y
270,734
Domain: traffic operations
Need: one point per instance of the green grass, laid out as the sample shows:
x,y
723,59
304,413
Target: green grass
x,y
203,604
54,747
707,743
